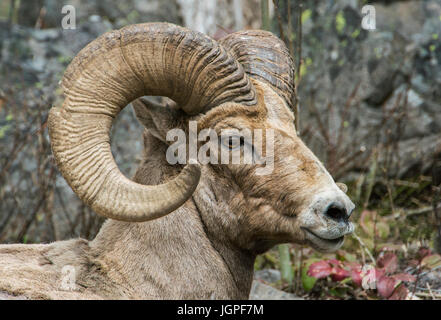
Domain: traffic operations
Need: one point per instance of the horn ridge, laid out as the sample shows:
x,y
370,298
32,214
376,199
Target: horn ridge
x,y
110,72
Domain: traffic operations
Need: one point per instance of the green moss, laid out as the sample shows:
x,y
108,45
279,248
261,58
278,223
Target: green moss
x,y
3,130
133,16
308,61
304,67
340,22
64,59
377,52
355,34
306,15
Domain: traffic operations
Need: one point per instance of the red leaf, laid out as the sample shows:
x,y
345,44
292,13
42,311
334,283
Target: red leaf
x,y
385,286
356,277
404,277
338,274
378,273
422,253
388,261
353,266
334,262
355,272
320,269
400,293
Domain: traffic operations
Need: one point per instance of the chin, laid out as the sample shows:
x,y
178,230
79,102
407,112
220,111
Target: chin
x,y
321,243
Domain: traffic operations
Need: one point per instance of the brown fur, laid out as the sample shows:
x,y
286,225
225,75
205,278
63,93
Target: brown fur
x,y
206,248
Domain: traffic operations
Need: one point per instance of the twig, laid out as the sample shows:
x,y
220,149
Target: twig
x,y
437,215
265,14
423,294
40,19
391,200
44,194
321,126
279,21
425,289
431,270
290,34
374,235
430,290
371,178
351,161
29,221
299,65
64,210
345,112
423,210
417,277
299,43
363,245
18,147
11,13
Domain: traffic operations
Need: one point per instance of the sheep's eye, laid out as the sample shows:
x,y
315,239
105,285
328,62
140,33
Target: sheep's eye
x,y
233,142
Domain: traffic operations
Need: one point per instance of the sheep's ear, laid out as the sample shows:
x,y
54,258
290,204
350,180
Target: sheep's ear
x,y
156,117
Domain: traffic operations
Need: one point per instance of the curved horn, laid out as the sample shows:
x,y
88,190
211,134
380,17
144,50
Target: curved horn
x,y
264,57
113,70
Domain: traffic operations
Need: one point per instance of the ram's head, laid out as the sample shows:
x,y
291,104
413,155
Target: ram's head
x,y
243,83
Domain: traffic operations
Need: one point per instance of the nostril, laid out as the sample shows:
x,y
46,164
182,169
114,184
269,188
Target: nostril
x,y
336,211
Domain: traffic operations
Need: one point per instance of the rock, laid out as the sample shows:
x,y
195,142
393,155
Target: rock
x,y
45,34
268,275
260,291
33,62
398,73
406,17
413,155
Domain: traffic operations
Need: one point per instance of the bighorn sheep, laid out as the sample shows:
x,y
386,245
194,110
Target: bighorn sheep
x,y
193,234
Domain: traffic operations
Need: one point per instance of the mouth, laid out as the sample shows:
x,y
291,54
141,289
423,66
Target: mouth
x,y
323,244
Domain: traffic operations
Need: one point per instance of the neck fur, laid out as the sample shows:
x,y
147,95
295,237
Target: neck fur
x,y
184,255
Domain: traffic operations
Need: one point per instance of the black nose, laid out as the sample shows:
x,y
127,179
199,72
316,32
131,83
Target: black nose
x,y
337,211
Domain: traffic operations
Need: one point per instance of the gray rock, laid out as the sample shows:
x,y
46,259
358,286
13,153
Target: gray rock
x,y
268,275
45,34
400,57
260,291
